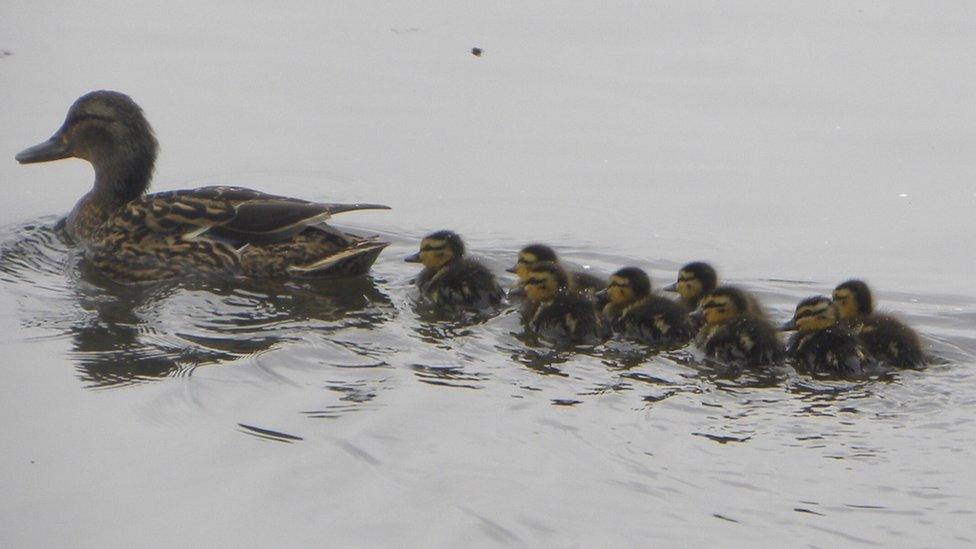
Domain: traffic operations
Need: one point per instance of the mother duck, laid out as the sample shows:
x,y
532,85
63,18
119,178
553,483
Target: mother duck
x,y
134,236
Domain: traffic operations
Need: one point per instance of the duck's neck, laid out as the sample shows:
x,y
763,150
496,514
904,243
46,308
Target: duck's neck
x,y
116,184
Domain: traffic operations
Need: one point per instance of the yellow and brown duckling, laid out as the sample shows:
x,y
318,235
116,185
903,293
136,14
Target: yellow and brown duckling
x,y
732,334
694,281
888,339
134,236
537,253
635,313
823,343
554,311
450,278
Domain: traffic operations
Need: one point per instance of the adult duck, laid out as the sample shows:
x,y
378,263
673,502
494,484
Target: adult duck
x,y
134,236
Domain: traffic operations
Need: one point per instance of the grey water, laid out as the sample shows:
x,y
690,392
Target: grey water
x,y
794,145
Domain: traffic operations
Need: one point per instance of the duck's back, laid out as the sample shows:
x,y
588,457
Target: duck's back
x,y
891,341
463,283
569,318
834,350
655,320
746,340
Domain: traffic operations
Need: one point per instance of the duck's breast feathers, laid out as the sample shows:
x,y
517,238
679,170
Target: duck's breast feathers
x,y
243,216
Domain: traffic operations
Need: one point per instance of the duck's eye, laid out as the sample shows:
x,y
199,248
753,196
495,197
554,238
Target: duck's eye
x,y
535,281
804,313
431,248
618,285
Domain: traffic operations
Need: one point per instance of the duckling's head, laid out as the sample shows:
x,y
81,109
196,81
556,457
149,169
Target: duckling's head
x,y
627,286
110,131
545,279
813,314
694,280
854,299
529,256
438,249
722,304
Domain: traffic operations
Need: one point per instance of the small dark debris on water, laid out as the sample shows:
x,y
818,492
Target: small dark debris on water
x,y
268,434
5,53
565,402
802,510
722,439
476,52
723,517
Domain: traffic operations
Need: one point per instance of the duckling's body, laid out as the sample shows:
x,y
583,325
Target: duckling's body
x,y
452,280
555,312
824,344
635,313
732,334
132,236
888,339
580,280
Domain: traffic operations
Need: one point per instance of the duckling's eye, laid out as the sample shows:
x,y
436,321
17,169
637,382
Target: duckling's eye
x,y
535,281
431,248
618,285
804,313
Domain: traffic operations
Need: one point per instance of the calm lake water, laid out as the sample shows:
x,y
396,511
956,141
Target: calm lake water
x,y
793,145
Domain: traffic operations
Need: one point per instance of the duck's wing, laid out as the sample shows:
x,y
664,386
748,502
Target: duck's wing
x,y
234,214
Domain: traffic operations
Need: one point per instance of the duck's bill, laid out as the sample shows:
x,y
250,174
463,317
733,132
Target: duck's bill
x,y
413,258
788,326
510,270
671,287
52,149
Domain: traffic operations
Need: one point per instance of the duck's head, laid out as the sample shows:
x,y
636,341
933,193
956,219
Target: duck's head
x,y
628,285
721,305
813,314
853,298
529,256
544,281
438,249
109,130
694,280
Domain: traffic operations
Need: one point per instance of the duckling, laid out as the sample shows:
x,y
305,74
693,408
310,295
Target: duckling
x,y
694,281
890,340
635,313
554,311
731,333
535,253
823,343
698,278
451,279
133,236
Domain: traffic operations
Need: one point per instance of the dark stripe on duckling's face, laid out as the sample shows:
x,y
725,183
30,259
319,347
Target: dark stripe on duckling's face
x,y
524,264
815,314
620,291
717,309
540,287
434,253
689,286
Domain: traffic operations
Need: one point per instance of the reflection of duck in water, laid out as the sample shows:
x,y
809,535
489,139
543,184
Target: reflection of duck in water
x,y
133,236
129,334
449,278
822,342
888,339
